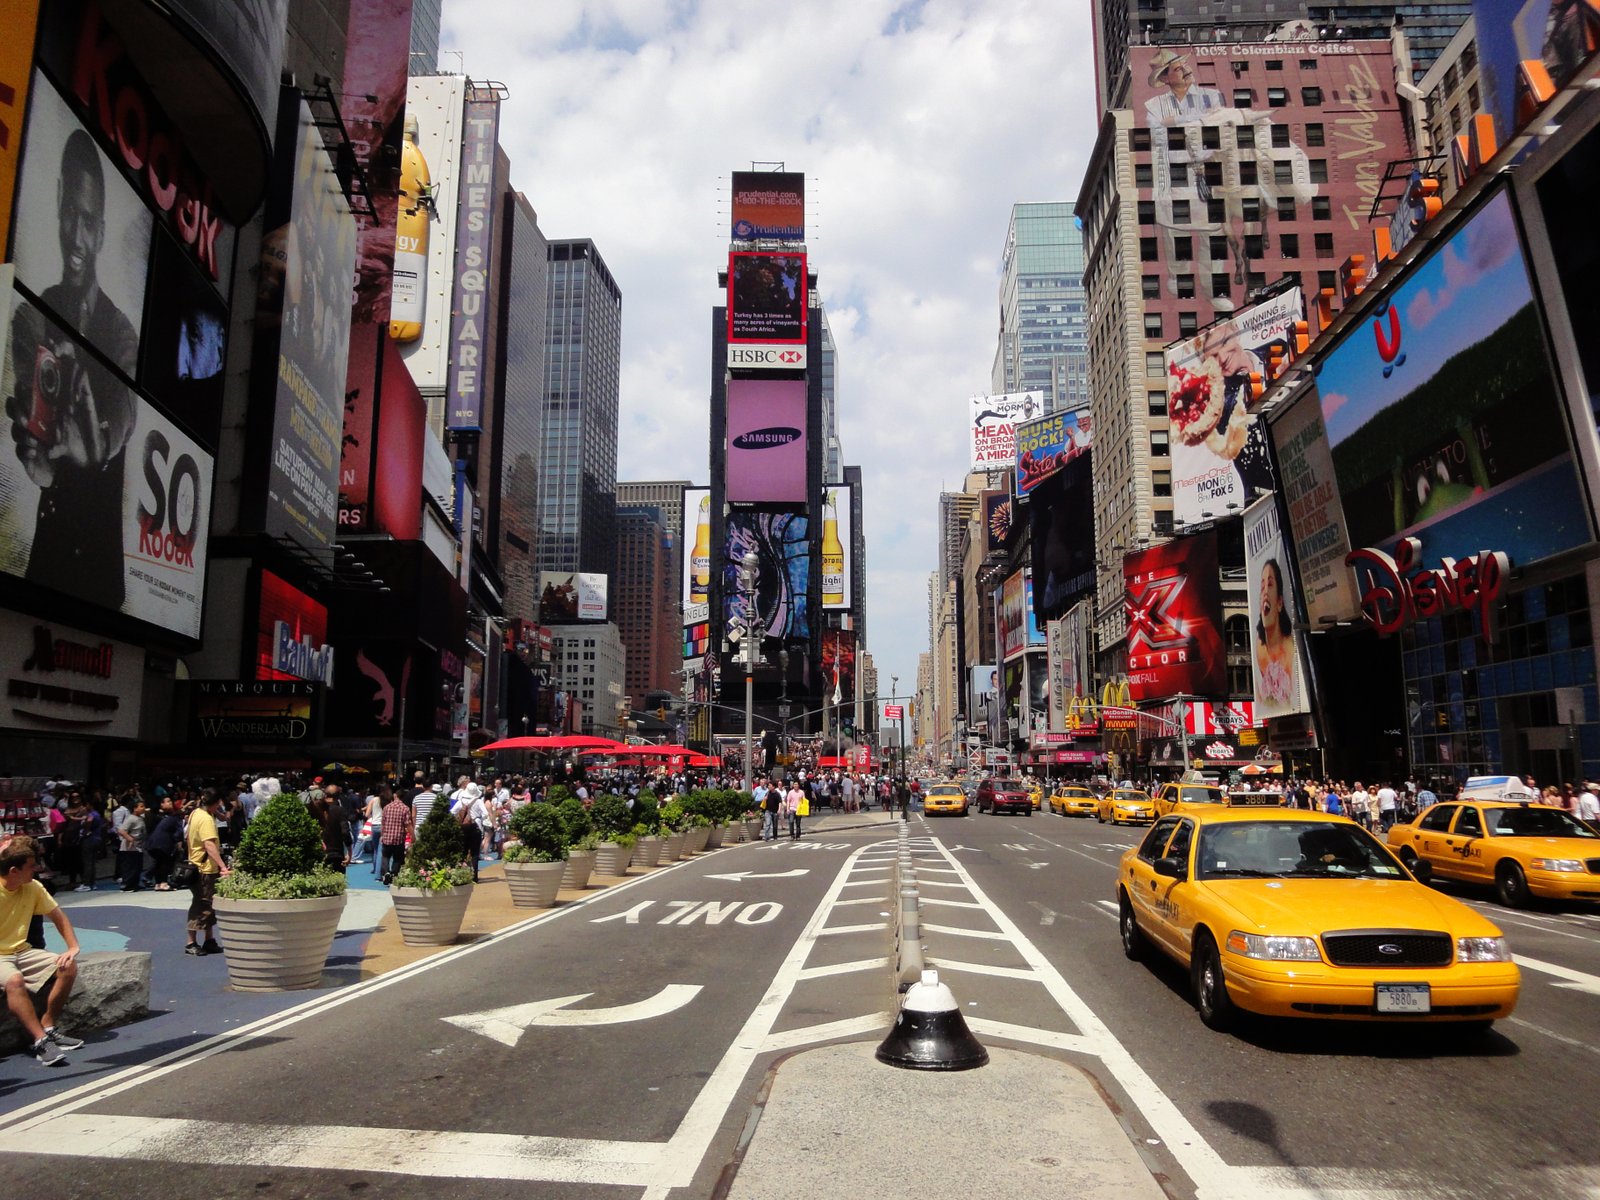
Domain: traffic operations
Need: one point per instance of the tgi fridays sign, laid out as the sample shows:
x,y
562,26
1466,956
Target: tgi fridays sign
x,y
1396,590
474,229
62,680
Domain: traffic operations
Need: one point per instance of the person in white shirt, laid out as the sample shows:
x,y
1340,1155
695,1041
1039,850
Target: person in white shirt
x,y
1588,804
1360,806
1388,803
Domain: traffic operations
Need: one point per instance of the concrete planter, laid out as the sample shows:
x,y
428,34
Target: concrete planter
x,y
580,865
277,945
715,836
430,918
611,859
534,884
647,852
672,847
696,839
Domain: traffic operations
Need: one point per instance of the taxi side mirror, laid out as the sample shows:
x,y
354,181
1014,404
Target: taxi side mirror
x,y
1423,870
1170,867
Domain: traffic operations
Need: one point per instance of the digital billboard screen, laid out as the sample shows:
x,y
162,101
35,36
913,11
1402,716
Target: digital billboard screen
x,y
567,598
766,297
291,634
696,588
769,205
1173,603
1443,413
781,543
1061,533
766,441
838,542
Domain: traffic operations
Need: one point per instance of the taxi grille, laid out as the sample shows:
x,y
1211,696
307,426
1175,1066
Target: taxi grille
x,y
1399,948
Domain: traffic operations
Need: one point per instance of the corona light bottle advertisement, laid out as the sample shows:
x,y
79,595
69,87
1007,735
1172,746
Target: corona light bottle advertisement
x,y
410,242
700,557
832,554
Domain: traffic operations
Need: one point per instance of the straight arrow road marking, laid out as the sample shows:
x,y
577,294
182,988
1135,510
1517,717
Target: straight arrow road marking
x,y
1576,981
507,1025
739,876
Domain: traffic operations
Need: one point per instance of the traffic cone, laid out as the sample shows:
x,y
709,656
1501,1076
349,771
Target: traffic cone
x,y
930,1033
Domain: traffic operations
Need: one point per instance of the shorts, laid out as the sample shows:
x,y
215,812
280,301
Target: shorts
x,y
37,967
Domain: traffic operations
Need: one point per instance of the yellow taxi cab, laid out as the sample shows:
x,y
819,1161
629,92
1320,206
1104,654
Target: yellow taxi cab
x,y
1520,850
1289,913
1171,796
1035,793
947,798
1072,801
1128,806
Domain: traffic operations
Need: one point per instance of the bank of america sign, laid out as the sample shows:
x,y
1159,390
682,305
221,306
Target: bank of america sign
x,y
767,358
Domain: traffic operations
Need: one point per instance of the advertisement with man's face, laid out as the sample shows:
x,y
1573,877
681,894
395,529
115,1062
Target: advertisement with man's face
x,y
781,544
766,297
992,428
82,242
769,205
1173,604
1444,416
984,685
767,441
1274,656
1219,458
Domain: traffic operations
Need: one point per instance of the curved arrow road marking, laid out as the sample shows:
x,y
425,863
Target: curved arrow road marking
x,y
737,876
506,1025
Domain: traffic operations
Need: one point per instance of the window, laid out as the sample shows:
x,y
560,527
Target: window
x,y
1152,327
1216,212
1311,97
1308,64
1473,100
1180,212
1158,442
1289,245
1178,174
1219,285
1321,208
1274,64
1325,281
1155,365
1150,287
1277,97
1147,212
1254,281
1236,632
1280,136
1437,818
1183,248
1323,242
1213,174
1154,841
1143,176
1182,840
1314,135
1185,287
1188,323
1247,173
1244,137
1239,680
1147,250
1255,245
1175,138
1157,402
1467,822
1244,97
1283,172
1285,208
1319,170
1161,483
1219,247
1138,139
1250,209
1211,137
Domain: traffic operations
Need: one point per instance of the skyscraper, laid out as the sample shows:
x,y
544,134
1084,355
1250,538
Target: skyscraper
x,y
832,448
514,522
1043,343
645,600
583,351
425,18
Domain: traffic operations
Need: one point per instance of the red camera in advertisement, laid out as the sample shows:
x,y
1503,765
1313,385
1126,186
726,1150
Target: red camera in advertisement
x,y
1173,604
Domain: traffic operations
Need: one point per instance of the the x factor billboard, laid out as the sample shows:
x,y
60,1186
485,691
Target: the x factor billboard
x,y
1173,604
766,297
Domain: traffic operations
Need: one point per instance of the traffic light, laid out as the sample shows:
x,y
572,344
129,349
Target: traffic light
x,y
661,713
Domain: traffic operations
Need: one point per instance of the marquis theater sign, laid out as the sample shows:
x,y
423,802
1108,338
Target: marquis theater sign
x,y
1396,591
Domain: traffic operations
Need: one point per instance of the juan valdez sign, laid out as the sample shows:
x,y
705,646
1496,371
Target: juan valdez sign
x,y
1396,590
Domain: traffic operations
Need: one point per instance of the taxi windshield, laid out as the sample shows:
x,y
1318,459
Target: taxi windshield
x,y
1130,797
1291,849
1535,822
945,789
1198,795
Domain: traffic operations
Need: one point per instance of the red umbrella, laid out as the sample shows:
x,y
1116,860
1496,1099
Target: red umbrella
x,y
701,760
664,751
573,741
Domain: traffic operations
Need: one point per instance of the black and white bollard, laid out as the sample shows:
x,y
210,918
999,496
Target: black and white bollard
x,y
929,1032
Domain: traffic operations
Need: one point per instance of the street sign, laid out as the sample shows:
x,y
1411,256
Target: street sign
x,y
894,712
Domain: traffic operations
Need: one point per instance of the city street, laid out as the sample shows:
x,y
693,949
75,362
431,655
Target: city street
x,y
621,1045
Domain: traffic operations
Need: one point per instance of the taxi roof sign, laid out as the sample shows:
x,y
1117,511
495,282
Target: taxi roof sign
x,y
1497,787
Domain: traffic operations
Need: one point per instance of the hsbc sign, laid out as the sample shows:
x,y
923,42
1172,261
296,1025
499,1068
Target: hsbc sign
x,y
767,358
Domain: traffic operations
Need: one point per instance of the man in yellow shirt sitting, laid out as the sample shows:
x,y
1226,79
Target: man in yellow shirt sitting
x,y
25,969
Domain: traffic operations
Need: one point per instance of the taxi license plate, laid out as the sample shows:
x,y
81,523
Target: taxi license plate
x,y
1404,998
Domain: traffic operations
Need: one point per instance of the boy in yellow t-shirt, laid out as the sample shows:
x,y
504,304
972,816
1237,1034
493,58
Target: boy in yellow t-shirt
x,y
25,969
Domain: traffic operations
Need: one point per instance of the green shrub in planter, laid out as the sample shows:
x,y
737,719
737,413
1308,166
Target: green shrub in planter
x,y
700,807
436,860
672,818
588,841
540,833
559,792
575,817
645,807
280,857
611,816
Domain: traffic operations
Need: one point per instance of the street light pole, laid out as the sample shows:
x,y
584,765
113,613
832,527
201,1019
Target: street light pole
x,y
747,580
894,686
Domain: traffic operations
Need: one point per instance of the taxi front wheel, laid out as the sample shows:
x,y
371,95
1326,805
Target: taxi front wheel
x,y
1210,986
1511,885
1132,935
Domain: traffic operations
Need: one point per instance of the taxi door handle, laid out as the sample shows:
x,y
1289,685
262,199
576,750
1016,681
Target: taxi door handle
x,y
1152,885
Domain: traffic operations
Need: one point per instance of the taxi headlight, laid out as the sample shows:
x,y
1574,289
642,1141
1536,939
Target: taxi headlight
x,y
1256,945
1556,864
1482,949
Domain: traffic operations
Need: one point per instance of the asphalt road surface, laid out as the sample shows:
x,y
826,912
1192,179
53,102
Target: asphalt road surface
x,y
620,1047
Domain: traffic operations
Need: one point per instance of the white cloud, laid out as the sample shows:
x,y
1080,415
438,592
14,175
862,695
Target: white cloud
x,y
625,118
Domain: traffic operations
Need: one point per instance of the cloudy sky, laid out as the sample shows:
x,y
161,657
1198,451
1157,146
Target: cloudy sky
x,y
917,124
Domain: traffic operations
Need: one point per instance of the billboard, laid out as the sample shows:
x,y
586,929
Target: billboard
x,y
839,666
766,297
1280,686
360,430
376,64
255,710
291,634
696,584
1219,457
838,547
768,205
992,433
1061,533
998,510
1030,615
1047,444
983,694
62,680
114,510
1060,665
567,598
1556,35
307,262
1316,520
766,441
781,542
20,20
1444,417
185,341
1173,603
766,358
476,200
1011,622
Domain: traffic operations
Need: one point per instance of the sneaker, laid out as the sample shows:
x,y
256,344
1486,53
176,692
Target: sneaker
x,y
83,887
55,1035
48,1053
191,948
211,947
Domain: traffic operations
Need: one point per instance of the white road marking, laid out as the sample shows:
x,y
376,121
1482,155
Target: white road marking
x,y
1047,916
1108,906
1554,1036
507,1025
1578,981
852,929
950,964
1037,866
930,900
851,1027
848,968
1499,915
860,900
984,934
1074,1042
922,883
741,876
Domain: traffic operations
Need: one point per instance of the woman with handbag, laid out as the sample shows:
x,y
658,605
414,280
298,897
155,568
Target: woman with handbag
x,y
796,806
